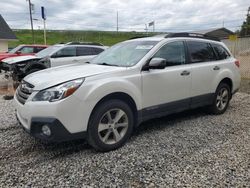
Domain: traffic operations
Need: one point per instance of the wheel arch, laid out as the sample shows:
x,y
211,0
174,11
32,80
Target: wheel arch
x,y
227,81
119,96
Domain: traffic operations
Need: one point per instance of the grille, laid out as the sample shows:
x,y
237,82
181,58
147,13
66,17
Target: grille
x,y
24,91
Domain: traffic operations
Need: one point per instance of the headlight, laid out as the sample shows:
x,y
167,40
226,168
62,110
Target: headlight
x,y
58,92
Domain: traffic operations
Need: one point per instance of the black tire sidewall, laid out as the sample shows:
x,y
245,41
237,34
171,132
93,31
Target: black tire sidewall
x,y
214,108
93,137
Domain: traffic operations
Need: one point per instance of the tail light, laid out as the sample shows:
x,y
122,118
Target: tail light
x,y
237,63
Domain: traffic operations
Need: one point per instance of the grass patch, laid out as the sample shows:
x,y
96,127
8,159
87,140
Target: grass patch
x,y
105,37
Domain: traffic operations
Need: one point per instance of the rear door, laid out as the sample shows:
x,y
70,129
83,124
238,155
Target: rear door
x,y
205,68
64,56
167,90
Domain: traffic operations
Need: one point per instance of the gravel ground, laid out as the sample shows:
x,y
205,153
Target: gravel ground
x,y
190,149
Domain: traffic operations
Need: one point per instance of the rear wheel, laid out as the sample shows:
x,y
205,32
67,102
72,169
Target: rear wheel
x,y
110,126
221,99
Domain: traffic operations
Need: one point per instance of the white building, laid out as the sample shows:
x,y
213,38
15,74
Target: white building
x,y
6,35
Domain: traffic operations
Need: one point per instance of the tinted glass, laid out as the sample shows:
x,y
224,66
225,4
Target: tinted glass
x,y
173,52
221,52
82,51
38,49
26,50
200,52
66,52
97,50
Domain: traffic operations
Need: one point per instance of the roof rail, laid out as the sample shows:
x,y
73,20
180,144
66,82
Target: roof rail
x,y
137,37
192,35
85,43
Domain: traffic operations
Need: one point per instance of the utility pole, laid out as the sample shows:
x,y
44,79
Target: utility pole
x,y
31,22
117,27
246,27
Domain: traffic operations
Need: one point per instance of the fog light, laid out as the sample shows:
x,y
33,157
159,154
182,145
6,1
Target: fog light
x,y
46,130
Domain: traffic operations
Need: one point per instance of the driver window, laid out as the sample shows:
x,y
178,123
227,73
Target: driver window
x,y
66,52
173,52
26,50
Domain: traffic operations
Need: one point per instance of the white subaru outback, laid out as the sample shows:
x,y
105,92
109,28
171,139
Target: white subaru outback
x,y
133,81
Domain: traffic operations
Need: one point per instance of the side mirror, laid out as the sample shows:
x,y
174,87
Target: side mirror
x,y
157,63
18,52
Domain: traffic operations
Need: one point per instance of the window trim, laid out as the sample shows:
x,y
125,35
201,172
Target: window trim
x,y
217,55
55,53
145,65
189,54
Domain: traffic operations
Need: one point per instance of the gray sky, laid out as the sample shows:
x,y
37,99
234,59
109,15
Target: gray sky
x,y
169,15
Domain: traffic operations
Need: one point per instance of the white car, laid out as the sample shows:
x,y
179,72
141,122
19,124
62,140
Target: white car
x,y
131,82
53,56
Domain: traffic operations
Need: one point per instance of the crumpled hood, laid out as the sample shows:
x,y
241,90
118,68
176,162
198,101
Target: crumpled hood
x,y
54,76
13,60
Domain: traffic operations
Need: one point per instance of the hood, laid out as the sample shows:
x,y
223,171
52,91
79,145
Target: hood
x,y
54,76
13,60
5,55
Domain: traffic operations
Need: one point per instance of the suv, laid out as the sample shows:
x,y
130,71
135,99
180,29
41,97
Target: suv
x,y
57,55
23,50
133,81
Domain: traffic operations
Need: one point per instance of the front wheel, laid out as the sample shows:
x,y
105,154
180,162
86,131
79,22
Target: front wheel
x,y
110,126
221,99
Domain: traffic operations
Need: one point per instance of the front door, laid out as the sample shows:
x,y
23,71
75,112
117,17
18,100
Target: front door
x,y
167,90
64,56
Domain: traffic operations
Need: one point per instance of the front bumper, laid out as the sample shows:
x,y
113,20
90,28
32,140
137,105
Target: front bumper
x,y
67,119
58,132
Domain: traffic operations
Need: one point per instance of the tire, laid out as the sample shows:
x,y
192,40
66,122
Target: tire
x,y
221,99
110,126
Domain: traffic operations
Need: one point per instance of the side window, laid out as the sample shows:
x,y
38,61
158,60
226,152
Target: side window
x,y
38,49
200,52
173,52
26,50
221,52
82,51
97,50
66,52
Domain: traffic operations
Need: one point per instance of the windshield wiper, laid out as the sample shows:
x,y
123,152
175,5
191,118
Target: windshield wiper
x,y
106,64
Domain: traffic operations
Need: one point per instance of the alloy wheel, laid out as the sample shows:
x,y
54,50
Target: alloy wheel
x,y
113,126
222,99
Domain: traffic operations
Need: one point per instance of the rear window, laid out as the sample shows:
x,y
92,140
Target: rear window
x,y
221,52
97,50
38,49
82,51
200,52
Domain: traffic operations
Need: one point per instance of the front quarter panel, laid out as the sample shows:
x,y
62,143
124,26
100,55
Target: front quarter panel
x,y
97,87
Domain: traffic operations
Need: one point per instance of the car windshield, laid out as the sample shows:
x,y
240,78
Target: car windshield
x,y
14,50
47,51
124,54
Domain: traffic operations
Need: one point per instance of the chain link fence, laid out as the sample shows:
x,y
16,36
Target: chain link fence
x,y
241,50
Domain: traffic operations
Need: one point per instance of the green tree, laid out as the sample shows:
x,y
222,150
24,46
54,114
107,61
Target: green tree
x,y
245,28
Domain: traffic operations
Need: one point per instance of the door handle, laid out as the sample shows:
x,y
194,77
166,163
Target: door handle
x,y
216,68
185,73
75,60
